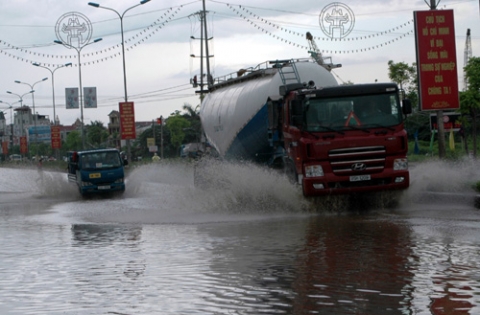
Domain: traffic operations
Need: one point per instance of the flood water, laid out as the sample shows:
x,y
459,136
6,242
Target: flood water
x,y
249,246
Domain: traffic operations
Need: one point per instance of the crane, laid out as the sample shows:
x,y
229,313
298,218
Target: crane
x,y
317,54
314,51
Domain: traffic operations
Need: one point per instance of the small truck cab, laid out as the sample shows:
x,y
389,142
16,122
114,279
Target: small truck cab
x,y
97,171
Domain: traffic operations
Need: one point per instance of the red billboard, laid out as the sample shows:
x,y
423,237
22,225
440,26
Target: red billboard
x,y
436,59
56,137
127,120
451,121
5,147
23,145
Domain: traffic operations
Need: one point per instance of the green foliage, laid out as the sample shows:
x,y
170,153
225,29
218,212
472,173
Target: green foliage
x,y
176,125
418,122
179,128
406,78
470,99
73,141
97,134
472,73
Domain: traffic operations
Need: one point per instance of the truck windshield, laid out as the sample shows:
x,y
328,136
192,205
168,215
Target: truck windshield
x,y
343,113
99,160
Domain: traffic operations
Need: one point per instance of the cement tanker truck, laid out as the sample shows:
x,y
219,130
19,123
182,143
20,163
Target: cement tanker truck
x,y
292,114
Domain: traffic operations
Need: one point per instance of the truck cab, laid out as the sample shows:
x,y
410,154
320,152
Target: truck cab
x,y
97,171
346,139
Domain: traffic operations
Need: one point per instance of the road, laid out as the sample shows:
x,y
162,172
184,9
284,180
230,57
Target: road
x,y
250,247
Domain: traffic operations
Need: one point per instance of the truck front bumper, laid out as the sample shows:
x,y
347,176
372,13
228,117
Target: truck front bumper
x,y
98,189
331,184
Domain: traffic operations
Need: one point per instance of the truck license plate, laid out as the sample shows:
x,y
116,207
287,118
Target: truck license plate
x,y
359,178
104,187
94,175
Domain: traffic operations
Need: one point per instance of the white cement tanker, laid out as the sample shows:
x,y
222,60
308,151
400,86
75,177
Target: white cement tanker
x,y
235,115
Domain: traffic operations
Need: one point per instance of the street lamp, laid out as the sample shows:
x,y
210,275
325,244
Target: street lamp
x,y
33,102
79,49
10,106
96,5
53,84
11,121
21,105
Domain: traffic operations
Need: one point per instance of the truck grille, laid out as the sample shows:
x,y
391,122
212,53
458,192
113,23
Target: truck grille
x,y
359,160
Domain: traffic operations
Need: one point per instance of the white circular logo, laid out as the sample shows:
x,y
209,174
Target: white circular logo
x,y
337,20
74,29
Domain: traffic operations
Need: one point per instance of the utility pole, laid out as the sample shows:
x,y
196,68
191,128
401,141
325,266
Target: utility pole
x,y
204,54
441,129
161,137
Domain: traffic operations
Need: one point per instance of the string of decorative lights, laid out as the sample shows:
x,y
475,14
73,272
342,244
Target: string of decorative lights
x,y
393,29
239,13
157,25
146,33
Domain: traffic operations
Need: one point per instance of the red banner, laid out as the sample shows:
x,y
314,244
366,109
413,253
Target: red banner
x,y
56,137
127,120
23,145
5,147
436,59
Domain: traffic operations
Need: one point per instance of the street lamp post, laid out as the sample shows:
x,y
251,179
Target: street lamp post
x,y
96,5
33,103
21,109
79,49
10,106
53,84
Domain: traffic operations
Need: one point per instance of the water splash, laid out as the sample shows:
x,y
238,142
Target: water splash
x,y
439,181
224,186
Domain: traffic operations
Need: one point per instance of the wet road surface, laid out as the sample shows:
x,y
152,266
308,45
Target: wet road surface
x,y
166,247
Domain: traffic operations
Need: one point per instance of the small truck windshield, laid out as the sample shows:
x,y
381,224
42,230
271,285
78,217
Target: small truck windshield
x,y
100,160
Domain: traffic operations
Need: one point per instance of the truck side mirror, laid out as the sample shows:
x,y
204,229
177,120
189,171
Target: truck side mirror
x,y
407,107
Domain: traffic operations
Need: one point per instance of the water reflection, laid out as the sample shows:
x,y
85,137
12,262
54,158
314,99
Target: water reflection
x,y
104,234
109,237
354,265
326,265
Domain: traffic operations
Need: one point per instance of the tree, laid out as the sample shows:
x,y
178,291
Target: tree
x,y
97,134
194,132
176,125
470,98
73,141
406,77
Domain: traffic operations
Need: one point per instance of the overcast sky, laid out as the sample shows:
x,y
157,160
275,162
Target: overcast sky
x,y
159,47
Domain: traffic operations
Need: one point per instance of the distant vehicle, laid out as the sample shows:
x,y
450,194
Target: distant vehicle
x,y
16,157
97,171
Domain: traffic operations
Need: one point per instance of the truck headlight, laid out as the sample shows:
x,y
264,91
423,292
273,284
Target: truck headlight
x,y
119,181
313,171
400,164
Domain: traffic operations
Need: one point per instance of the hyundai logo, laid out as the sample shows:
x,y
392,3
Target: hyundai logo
x,y
358,167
